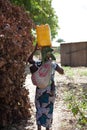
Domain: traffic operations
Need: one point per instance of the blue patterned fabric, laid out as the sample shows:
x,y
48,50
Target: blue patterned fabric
x,y
44,102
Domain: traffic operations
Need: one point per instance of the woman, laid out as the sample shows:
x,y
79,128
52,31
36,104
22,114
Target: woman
x,y
44,98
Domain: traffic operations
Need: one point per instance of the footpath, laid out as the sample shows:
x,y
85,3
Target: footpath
x,y
62,117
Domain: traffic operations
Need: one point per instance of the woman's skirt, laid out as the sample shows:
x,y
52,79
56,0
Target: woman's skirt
x,y
44,102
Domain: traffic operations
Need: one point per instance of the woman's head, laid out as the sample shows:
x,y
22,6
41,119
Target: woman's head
x,y
47,54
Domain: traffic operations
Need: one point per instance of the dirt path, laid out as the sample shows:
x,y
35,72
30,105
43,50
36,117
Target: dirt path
x,y
62,118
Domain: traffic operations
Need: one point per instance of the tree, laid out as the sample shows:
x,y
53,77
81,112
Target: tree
x,y
41,12
15,47
60,40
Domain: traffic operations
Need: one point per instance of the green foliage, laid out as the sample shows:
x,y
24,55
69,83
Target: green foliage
x,y
76,96
77,103
60,40
69,71
41,12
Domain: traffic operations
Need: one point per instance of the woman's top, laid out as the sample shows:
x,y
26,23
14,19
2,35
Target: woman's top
x,y
34,67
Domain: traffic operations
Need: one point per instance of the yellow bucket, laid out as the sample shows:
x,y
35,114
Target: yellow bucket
x,y
43,35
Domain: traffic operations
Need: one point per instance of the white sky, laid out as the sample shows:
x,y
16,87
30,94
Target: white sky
x,y
72,16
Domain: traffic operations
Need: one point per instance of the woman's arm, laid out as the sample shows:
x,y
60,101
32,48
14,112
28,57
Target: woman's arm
x,y
30,59
59,69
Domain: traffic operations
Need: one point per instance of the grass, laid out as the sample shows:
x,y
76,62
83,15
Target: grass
x,y
75,96
68,71
75,71
83,73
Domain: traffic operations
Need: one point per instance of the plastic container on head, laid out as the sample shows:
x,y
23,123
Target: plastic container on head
x,y
43,35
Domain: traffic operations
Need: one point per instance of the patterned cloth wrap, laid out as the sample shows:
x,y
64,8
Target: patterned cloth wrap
x,y
41,77
44,102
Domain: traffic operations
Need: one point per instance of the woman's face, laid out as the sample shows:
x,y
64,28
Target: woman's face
x,y
50,56
47,54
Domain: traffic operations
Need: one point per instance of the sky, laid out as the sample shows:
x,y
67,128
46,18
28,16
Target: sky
x,y
72,17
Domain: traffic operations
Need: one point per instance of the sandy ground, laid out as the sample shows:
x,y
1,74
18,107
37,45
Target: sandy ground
x,y
62,117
